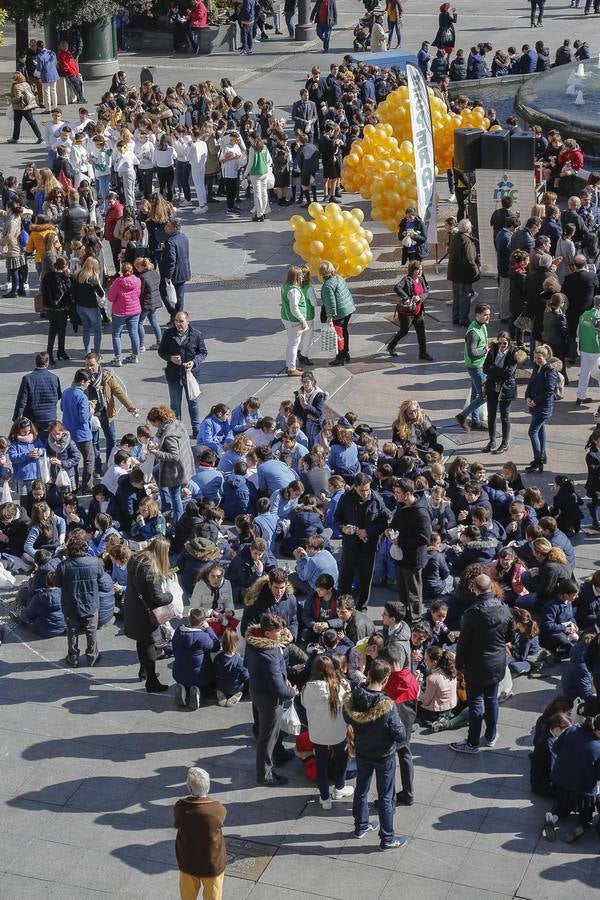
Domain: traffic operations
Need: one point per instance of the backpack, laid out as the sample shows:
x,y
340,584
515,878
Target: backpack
x,y
560,386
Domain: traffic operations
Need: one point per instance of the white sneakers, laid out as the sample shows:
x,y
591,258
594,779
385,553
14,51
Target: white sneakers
x,y
342,793
337,794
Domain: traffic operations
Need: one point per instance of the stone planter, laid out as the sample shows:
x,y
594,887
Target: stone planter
x,y
210,39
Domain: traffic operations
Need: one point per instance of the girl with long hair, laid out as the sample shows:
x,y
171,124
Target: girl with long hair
x,y
323,697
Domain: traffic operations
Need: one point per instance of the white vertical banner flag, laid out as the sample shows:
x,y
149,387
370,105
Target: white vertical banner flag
x,y
422,140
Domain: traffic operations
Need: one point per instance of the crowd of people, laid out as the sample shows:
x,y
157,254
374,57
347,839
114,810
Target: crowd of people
x,y
479,565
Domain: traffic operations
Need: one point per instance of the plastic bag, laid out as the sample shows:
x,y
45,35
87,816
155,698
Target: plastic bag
x,y
44,469
329,338
174,588
192,387
270,180
290,721
171,295
147,466
62,479
340,336
5,495
7,579
10,113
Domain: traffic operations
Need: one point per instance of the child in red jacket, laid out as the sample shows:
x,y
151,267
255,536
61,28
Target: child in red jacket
x,y
403,688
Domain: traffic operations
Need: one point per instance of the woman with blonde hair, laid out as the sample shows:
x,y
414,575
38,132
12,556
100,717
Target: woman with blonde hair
x,y
413,430
147,573
23,102
87,295
293,311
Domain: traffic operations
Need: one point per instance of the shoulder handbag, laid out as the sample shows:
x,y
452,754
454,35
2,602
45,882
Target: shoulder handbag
x,y
406,306
161,614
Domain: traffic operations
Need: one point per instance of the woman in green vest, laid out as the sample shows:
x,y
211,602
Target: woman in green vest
x,y
338,306
294,316
259,166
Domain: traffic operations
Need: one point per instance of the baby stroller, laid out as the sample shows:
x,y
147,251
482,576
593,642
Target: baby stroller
x,y
362,34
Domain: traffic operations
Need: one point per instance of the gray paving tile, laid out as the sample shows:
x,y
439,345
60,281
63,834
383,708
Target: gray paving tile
x,y
261,891
329,877
15,887
416,887
44,859
460,892
431,860
503,870
449,826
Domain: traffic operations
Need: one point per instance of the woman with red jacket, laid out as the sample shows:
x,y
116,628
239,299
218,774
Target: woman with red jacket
x,y
124,294
198,18
568,162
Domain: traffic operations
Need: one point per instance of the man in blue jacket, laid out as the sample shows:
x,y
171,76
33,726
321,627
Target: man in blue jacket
x,y
77,420
377,729
183,349
270,692
362,516
80,576
529,60
39,393
174,265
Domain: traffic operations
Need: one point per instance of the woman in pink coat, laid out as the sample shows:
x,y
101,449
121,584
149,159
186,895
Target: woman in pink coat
x,y
124,294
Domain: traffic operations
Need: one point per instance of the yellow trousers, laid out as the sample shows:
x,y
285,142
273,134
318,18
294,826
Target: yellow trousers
x,y
189,886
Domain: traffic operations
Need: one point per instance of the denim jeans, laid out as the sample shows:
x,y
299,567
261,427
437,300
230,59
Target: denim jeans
x,y
324,34
537,434
461,302
182,178
171,499
110,437
131,323
152,317
91,323
385,777
483,705
340,761
476,400
175,394
246,31
103,187
288,16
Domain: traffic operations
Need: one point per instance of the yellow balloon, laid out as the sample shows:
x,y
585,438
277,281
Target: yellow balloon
x,y
295,222
317,247
315,209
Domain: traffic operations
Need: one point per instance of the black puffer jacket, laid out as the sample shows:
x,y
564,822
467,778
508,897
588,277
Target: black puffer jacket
x,y
486,627
265,661
413,524
376,724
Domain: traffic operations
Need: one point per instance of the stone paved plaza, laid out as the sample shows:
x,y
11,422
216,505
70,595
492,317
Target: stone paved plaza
x,y
91,764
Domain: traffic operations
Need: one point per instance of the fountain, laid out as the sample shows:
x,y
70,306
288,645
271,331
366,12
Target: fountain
x,y
540,101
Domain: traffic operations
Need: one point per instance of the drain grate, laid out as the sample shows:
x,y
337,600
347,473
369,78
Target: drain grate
x,y
247,859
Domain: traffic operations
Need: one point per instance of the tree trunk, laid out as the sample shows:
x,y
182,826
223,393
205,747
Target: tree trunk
x,y
21,36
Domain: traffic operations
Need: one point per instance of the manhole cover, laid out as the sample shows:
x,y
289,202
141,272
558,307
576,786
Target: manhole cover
x,y
246,859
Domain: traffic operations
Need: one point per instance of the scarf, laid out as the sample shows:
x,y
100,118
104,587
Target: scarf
x,y
216,595
25,438
181,338
59,446
96,384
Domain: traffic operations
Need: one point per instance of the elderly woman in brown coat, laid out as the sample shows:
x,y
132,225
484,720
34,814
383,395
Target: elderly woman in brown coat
x,y
23,103
173,452
200,846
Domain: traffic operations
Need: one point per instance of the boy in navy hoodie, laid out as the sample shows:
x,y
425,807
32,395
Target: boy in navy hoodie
x,y
377,731
239,494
